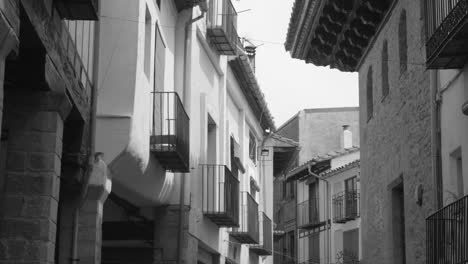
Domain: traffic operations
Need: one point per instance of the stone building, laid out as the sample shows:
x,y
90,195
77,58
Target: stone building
x,y
393,45
52,185
318,132
160,96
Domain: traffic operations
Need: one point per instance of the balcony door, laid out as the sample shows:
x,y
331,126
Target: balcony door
x,y
313,202
351,202
351,246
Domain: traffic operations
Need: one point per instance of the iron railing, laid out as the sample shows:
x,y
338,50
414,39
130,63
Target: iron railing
x,y
222,26
220,195
265,245
436,12
248,231
445,22
308,213
447,234
170,131
79,68
346,206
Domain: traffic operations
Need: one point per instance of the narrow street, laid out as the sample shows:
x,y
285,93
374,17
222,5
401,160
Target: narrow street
x,y
233,131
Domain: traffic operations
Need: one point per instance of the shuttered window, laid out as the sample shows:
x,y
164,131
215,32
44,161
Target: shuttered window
x,y
159,62
351,246
314,247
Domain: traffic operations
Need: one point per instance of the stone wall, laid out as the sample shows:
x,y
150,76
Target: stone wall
x,y
396,141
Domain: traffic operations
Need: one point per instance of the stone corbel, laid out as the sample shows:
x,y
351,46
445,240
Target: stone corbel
x,y
100,184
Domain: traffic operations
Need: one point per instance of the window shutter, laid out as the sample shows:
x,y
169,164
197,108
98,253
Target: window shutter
x,y
160,61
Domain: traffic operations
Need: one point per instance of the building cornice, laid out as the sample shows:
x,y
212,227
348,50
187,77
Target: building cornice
x,y
335,33
250,88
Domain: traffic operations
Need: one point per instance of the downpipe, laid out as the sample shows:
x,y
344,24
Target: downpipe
x,y
436,139
188,29
327,208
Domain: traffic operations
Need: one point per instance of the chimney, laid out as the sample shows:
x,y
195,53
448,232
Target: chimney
x,y
251,52
347,137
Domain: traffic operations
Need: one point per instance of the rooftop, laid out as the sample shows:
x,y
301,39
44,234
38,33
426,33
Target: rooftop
x,y
302,170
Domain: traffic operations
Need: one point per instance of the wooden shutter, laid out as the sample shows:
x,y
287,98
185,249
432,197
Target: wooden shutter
x,y
159,62
351,245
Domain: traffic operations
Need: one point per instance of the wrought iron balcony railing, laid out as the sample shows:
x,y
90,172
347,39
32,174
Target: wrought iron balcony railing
x,y
447,234
222,26
220,195
265,246
445,29
170,141
346,206
248,231
78,9
308,214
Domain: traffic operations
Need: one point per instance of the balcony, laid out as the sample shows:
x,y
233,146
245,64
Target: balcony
x,y
308,213
169,141
222,27
447,234
78,9
220,195
345,206
264,248
447,33
248,232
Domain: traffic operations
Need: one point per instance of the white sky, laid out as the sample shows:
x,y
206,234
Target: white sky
x,y
289,84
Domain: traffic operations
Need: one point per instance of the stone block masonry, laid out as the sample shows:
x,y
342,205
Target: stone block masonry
x,y
33,167
396,142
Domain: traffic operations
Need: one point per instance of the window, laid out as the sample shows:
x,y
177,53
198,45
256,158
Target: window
x,y
288,190
351,184
456,171
252,147
385,82
351,246
351,198
369,95
159,61
403,42
291,244
314,247
147,53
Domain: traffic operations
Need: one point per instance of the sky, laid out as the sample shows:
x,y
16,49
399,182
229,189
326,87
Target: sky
x,y
289,85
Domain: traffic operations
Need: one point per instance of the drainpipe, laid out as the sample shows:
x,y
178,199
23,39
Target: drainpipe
x,y
188,29
327,208
92,144
436,138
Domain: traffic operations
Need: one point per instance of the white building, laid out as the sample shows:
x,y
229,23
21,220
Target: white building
x,y
182,121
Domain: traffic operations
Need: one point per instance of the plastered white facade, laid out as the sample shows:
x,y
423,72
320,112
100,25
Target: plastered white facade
x,y
211,95
335,233
453,92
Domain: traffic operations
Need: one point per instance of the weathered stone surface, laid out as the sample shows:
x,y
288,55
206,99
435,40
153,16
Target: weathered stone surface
x,y
396,141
